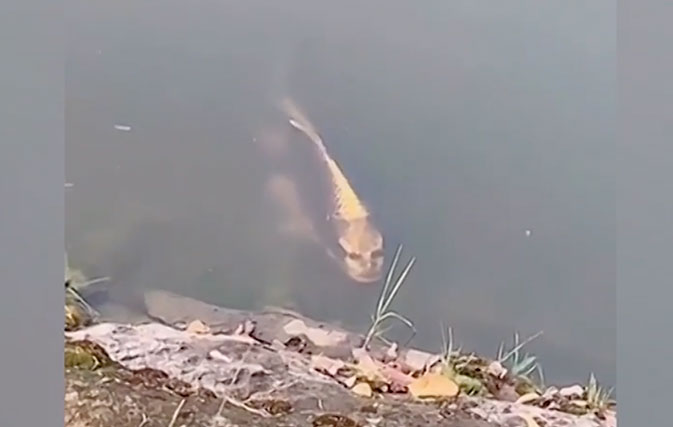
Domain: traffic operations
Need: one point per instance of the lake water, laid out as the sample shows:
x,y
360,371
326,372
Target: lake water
x,y
480,134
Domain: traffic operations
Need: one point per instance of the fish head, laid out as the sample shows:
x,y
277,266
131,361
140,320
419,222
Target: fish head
x,y
362,246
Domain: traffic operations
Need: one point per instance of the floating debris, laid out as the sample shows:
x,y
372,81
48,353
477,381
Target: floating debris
x,y
69,185
528,232
123,128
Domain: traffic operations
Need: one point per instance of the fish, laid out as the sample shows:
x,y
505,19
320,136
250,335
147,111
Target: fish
x,y
360,244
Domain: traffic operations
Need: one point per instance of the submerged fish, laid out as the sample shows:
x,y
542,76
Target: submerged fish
x,y
360,244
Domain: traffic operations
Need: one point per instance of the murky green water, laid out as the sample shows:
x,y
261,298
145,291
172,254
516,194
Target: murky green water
x,y
462,124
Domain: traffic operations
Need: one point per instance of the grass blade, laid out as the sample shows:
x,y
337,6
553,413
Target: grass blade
x,y
386,298
399,282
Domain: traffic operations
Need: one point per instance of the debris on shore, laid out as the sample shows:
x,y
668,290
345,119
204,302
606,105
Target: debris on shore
x,y
231,367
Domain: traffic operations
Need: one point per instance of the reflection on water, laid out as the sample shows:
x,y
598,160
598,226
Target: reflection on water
x,y
461,125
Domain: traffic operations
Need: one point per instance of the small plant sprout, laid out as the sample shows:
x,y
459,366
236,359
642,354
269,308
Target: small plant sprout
x,y
517,364
447,345
447,352
596,396
449,367
80,299
388,293
74,281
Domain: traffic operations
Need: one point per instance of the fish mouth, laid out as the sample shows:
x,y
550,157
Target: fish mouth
x,y
368,276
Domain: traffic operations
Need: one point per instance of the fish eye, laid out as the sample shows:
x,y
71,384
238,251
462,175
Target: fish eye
x,y
353,255
378,253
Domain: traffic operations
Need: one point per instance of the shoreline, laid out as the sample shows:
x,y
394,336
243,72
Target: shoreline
x,y
309,368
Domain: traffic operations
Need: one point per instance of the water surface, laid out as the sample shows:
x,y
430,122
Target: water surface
x,y
462,124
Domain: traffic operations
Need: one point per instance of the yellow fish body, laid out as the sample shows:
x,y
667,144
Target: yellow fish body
x,y
359,241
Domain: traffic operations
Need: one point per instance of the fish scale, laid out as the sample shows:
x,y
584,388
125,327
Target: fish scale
x,y
347,203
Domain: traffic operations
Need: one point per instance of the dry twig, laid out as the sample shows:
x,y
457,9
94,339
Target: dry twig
x,y
176,413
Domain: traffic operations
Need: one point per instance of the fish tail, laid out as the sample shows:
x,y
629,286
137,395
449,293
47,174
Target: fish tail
x,y
300,121
294,112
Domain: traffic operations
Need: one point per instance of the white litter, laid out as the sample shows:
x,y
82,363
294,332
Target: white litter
x,y
528,233
124,128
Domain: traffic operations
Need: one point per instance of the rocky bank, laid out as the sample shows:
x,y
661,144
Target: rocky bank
x,y
193,364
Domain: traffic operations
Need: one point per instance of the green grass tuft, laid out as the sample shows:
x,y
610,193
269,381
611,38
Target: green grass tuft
x,y
517,364
597,397
388,293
